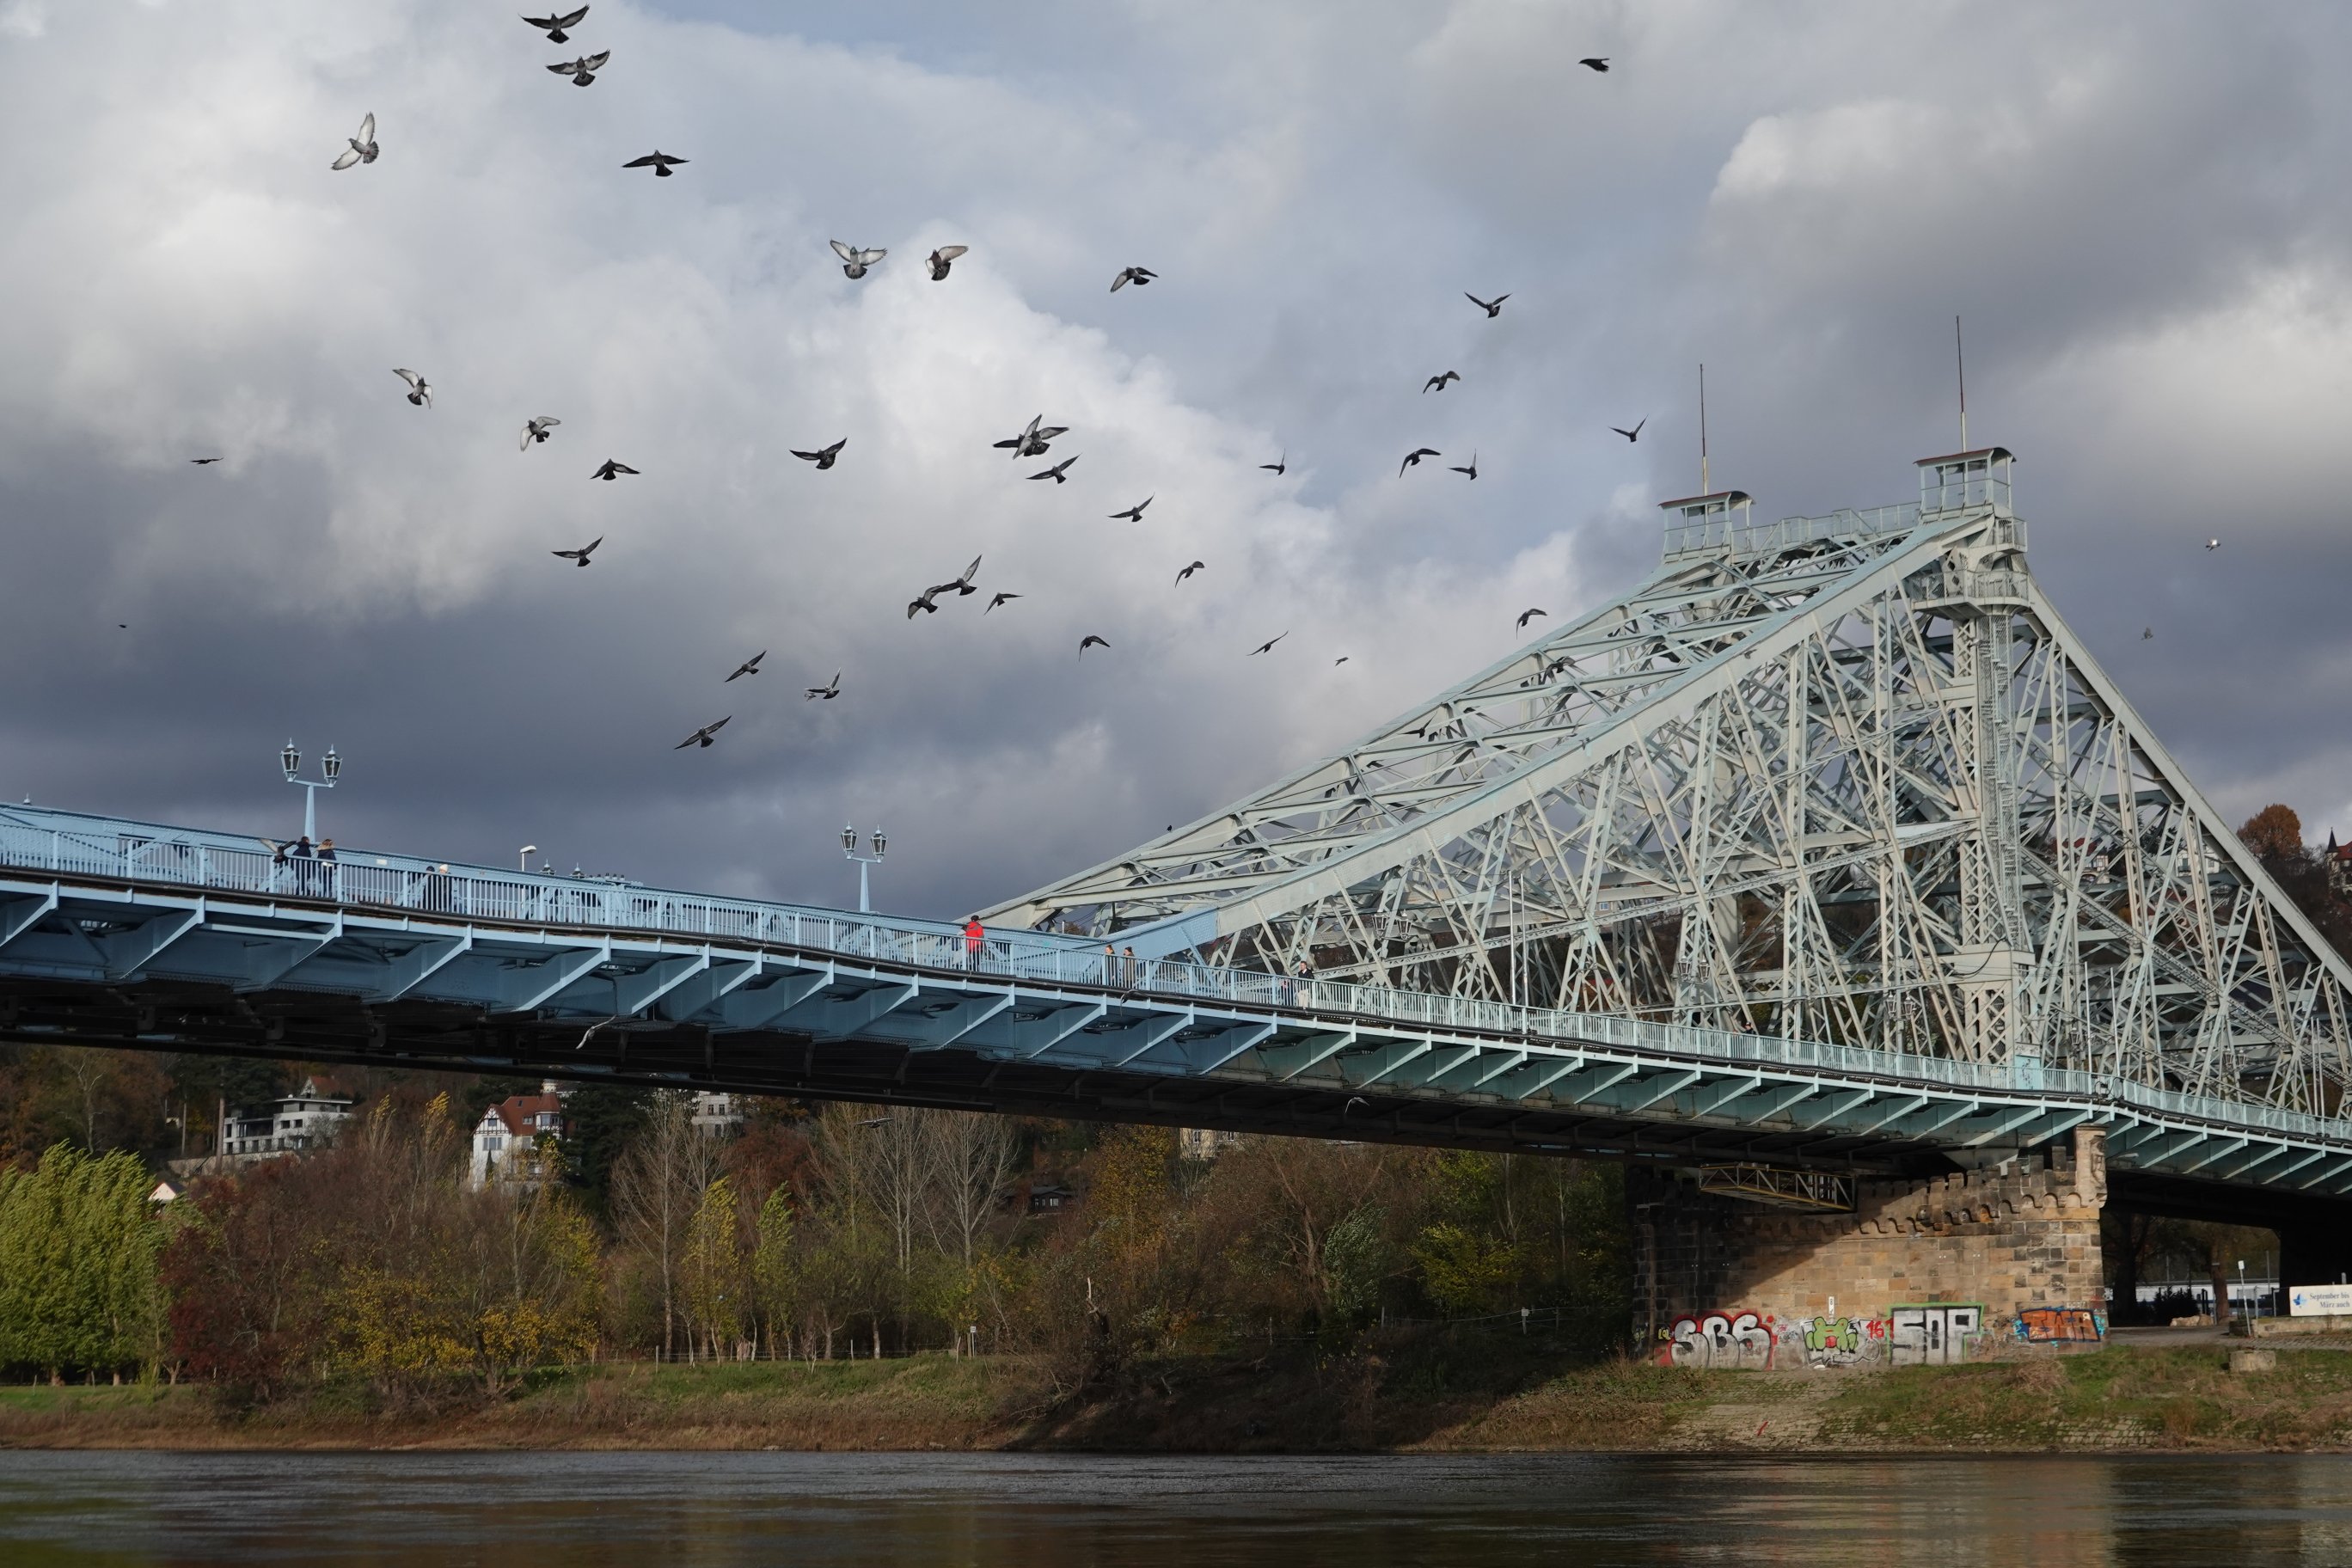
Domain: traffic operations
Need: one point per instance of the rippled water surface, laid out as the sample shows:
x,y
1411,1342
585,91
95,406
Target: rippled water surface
x,y
1035,1512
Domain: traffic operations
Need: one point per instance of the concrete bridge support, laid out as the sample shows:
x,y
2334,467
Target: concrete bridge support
x,y
2004,1239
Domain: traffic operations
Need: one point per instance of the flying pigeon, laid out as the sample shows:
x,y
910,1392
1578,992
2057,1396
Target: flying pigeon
x,y
583,71
611,469
1493,306
1000,599
749,666
826,692
553,27
922,602
1038,437
823,457
1473,469
1133,513
1527,616
2146,634
704,736
204,459
1595,62
1087,642
960,586
1437,382
1139,276
537,429
1196,566
1059,473
362,149
1339,661
1635,433
1265,646
941,259
579,557
1277,468
659,162
854,261
1413,457
420,392
2213,544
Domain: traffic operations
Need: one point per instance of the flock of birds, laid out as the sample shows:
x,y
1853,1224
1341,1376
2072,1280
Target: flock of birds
x,y
1033,441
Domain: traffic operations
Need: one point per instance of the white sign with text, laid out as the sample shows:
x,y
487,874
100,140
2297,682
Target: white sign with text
x,y
2319,1300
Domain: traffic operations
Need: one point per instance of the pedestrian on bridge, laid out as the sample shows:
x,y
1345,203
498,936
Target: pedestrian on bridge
x,y
975,939
327,868
1110,964
306,865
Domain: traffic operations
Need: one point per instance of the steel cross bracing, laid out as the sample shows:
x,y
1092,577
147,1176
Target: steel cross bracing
x,y
129,934
1847,779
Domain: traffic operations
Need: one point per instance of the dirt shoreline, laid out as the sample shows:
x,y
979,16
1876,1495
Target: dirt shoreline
x,y
1447,1398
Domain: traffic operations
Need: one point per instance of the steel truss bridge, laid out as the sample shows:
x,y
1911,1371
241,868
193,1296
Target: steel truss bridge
x,y
1826,848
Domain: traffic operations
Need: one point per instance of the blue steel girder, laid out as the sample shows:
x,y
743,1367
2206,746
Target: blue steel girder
x,y
18,916
1287,1060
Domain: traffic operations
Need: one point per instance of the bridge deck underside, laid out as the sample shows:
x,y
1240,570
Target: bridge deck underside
x,y
166,969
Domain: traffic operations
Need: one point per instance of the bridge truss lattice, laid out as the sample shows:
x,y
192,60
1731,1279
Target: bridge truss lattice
x,y
1850,779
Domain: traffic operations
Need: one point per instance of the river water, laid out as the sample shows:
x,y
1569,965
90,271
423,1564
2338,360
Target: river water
x,y
1027,1511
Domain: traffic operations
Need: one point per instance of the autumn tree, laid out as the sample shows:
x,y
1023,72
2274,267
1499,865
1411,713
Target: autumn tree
x,y
657,1186
79,1241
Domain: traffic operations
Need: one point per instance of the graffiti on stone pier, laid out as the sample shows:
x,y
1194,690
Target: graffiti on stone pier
x,y
2061,1325
1720,1339
1933,1334
1840,1342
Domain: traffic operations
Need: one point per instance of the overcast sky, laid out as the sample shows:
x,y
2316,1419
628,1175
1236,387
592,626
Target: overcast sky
x,y
2138,209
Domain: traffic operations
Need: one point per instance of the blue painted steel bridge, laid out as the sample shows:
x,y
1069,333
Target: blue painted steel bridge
x,y
132,934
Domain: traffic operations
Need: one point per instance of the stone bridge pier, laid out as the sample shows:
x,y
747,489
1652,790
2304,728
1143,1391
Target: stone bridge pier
x,y
2004,1240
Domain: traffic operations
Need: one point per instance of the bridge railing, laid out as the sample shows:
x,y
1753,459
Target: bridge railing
x,y
69,843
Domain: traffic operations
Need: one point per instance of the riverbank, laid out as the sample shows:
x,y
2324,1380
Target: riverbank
x,y
1496,1394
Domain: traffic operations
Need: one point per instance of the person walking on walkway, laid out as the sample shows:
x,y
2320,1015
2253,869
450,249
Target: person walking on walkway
x,y
1130,971
975,939
327,868
305,864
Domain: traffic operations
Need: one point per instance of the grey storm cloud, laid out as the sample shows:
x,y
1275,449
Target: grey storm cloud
x,y
2133,206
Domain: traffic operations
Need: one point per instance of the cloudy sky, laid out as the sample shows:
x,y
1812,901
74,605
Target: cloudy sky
x,y
2138,208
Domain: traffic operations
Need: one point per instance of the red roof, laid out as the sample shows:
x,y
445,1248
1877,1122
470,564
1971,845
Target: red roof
x,y
520,1111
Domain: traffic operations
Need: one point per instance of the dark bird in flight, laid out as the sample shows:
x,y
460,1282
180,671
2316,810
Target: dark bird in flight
x,y
749,666
122,625
704,736
1635,433
659,162
1139,276
579,557
942,259
610,470
1473,469
1437,382
1277,468
922,602
1196,566
854,261
1059,473
1087,642
823,457
2213,544
1265,646
583,71
420,392
2146,634
1595,62
1037,438
1412,459
1527,616
204,459
1493,306
362,149
960,586
1339,661
537,429
828,693
1000,599
553,27
1133,513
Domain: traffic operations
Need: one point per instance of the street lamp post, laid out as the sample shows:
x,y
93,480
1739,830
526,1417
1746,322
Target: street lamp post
x,y
525,854
331,765
849,849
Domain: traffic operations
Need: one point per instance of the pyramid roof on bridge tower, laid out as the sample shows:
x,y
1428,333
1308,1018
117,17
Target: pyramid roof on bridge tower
x,y
1843,778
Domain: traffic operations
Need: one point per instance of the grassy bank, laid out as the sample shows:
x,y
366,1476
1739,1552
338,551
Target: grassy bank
x,y
1433,1394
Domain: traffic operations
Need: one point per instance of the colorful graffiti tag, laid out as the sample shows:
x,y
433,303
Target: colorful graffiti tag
x,y
2062,1325
1840,1342
1720,1339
